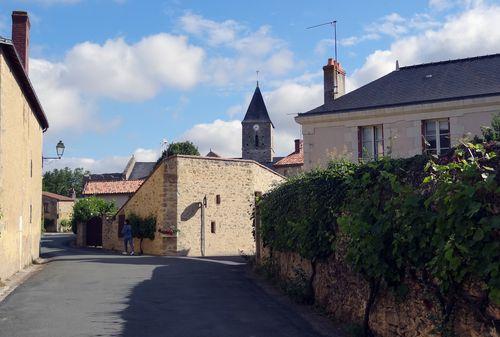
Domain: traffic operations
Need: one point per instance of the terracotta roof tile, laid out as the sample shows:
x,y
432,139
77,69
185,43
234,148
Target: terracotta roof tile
x,y
291,159
112,187
58,197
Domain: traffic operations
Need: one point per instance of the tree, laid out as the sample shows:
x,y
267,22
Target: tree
x,y
183,148
142,228
87,208
63,181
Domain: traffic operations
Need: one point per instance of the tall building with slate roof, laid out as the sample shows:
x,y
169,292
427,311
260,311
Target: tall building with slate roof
x,y
424,108
257,131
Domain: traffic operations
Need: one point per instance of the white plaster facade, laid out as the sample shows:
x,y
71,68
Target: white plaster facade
x,y
335,135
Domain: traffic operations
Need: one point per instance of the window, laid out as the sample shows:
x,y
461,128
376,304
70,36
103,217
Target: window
x,y
212,227
370,142
46,207
256,140
436,136
217,199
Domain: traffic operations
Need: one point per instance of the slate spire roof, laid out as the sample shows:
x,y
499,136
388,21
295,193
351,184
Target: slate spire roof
x,y
257,111
423,83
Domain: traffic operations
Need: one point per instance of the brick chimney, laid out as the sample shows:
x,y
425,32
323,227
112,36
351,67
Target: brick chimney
x,y
298,145
21,36
333,88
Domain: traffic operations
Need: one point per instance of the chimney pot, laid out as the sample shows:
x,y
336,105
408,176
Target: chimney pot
x,y
298,145
333,81
21,36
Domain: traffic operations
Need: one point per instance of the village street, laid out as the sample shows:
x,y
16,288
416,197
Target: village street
x,y
93,293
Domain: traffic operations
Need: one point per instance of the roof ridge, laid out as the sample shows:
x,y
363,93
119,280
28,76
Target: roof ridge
x,y
449,61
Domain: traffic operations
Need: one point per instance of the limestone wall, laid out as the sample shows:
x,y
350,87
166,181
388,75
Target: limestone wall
x,y
148,200
343,293
336,135
235,182
20,177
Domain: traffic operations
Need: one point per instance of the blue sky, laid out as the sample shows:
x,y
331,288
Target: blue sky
x,y
116,77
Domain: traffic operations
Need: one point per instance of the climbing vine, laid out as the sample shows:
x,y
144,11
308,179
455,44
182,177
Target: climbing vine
x,y
433,220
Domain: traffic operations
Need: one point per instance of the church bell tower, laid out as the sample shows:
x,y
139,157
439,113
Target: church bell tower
x,y
257,131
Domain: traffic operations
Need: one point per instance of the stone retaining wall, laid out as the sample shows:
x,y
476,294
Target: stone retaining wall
x,y
343,293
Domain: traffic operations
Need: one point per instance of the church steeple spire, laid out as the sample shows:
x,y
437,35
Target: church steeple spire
x,y
257,131
257,110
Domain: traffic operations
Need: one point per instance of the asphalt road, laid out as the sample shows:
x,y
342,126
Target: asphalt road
x,y
93,293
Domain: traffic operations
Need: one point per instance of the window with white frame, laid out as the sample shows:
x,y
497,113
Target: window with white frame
x,y
436,136
371,142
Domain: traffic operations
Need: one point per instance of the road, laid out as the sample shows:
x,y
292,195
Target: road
x,y
88,292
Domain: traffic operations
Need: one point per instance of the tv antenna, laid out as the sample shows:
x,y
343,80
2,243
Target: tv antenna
x,y
334,25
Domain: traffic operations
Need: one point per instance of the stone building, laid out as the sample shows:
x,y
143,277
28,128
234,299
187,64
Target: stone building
x,y
292,164
415,109
203,206
56,208
22,123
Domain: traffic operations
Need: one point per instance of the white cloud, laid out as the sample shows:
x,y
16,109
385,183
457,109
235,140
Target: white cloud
x,y
223,137
245,51
466,34
214,33
392,25
64,105
134,72
69,90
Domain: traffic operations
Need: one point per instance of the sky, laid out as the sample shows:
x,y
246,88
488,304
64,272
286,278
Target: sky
x,y
119,77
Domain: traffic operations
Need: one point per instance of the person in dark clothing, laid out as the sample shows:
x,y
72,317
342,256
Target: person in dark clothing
x,y
127,238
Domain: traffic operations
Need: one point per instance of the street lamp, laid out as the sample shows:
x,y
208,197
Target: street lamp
x,y
59,151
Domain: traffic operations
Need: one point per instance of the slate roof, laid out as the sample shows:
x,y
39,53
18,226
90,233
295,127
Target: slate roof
x,y
57,197
142,170
17,68
424,83
104,176
257,111
111,187
212,154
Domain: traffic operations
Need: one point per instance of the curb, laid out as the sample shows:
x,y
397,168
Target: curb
x,y
19,278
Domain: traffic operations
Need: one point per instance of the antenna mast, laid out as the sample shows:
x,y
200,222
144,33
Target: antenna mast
x,y
334,25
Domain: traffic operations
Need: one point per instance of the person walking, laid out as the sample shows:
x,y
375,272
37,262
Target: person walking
x,y
127,238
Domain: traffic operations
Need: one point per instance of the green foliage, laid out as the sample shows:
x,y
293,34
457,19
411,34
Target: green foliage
x,y
87,208
181,148
63,181
465,225
300,215
433,220
492,133
66,225
142,228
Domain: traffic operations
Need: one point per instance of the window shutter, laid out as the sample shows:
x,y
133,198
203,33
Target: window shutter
x,y
360,144
121,223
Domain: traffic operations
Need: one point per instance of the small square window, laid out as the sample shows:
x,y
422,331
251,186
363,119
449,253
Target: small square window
x,y
217,199
212,227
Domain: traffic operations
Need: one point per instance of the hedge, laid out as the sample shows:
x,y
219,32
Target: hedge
x,y
436,220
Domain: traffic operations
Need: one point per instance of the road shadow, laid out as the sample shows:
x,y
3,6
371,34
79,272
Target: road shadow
x,y
187,298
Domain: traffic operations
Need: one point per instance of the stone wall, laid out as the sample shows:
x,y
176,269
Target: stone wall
x,y
173,194
235,182
343,293
148,200
20,176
